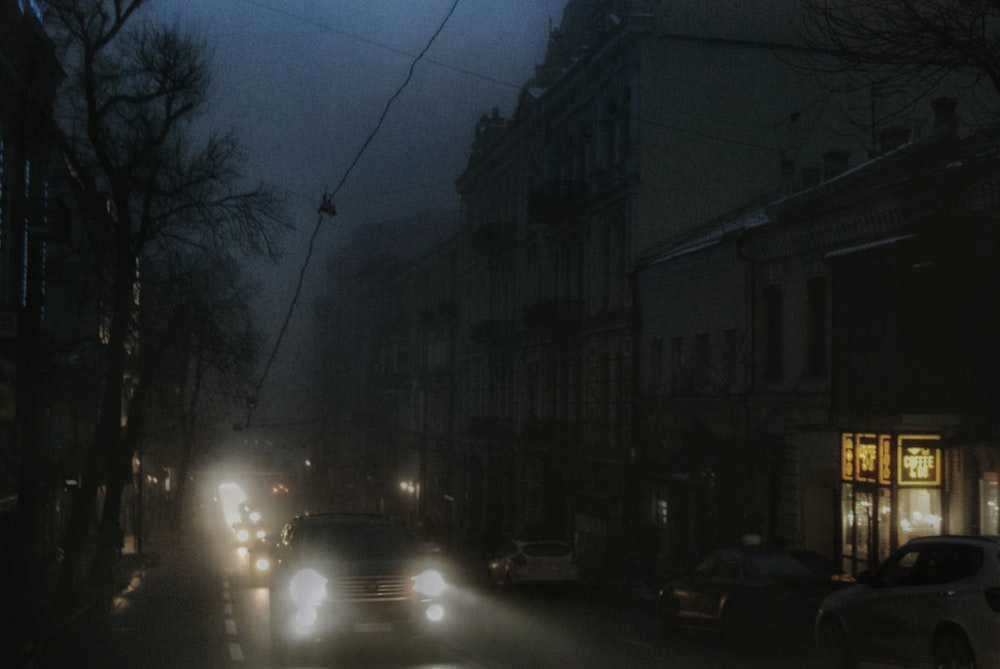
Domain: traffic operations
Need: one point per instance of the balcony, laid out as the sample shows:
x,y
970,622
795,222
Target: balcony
x,y
557,201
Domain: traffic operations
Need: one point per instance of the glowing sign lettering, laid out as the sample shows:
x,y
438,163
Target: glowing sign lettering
x,y
869,458
919,464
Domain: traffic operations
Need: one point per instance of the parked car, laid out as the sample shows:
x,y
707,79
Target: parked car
x,y
751,595
338,576
534,561
934,602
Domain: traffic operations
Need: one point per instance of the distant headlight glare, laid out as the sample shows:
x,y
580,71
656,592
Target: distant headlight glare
x,y
429,583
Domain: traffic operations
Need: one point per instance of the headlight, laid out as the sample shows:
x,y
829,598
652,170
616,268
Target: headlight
x,y
434,613
429,583
307,589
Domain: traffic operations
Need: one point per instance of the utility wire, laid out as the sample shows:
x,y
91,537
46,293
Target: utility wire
x,y
326,208
380,45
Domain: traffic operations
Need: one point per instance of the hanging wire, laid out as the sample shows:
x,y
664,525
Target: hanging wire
x,y
327,208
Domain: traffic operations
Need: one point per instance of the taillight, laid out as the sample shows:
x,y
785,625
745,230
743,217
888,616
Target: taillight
x,y
993,598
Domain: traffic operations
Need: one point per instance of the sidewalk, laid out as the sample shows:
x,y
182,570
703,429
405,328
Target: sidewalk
x,y
19,644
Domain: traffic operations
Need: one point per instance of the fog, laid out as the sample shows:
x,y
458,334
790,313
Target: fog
x,y
304,84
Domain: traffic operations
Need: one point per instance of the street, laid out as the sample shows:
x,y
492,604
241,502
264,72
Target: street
x,y
194,607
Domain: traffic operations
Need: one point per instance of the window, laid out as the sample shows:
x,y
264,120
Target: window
x,y
662,508
774,323
816,328
931,565
701,361
676,363
729,359
656,363
726,566
989,509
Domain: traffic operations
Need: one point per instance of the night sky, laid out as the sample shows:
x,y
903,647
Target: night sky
x,y
304,82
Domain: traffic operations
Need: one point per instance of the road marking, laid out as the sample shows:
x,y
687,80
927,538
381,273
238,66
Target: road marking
x,y
235,652
228,609
230,627
226,596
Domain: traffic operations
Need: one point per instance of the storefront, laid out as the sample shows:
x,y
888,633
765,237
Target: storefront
x,y
891,492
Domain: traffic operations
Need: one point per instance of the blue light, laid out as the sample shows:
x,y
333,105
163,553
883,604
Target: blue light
x,y
33,5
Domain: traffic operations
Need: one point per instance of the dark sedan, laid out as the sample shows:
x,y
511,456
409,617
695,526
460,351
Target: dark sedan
x,y
751,595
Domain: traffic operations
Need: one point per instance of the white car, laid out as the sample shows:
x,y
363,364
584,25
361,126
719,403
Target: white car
x,y
538,561
934,602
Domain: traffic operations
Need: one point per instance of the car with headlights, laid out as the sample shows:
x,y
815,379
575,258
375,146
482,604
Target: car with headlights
x,y
341,577
534,561
933,602
259,559
751,595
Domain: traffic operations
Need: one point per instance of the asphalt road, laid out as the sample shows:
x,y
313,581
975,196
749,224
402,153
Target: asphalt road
x,y
195,608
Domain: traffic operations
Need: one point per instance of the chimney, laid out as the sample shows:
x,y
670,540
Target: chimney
x,y
945,121
834,163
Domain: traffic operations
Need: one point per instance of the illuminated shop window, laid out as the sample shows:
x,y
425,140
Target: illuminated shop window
x,y
919,513
989,518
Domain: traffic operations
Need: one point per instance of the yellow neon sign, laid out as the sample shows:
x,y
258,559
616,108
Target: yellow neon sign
x,y
871,458
919,464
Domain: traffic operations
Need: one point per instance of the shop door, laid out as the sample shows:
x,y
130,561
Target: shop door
x,y
858,526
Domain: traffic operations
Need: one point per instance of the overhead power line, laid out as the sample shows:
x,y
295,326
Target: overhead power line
x,y
381,45
326,208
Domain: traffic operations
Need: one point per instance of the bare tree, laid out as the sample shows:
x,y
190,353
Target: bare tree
x,y
145,186
197,369
902,51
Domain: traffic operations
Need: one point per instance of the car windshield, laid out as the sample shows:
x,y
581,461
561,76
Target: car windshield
x,y
548,549
358,541
789,564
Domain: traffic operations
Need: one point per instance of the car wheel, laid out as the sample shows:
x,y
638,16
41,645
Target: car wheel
x,y
831,643
952,651
736,625
668,619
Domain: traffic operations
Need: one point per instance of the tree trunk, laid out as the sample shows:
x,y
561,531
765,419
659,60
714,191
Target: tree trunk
x,y
104,458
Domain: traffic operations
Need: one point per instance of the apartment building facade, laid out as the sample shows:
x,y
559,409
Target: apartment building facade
x,y
830,387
